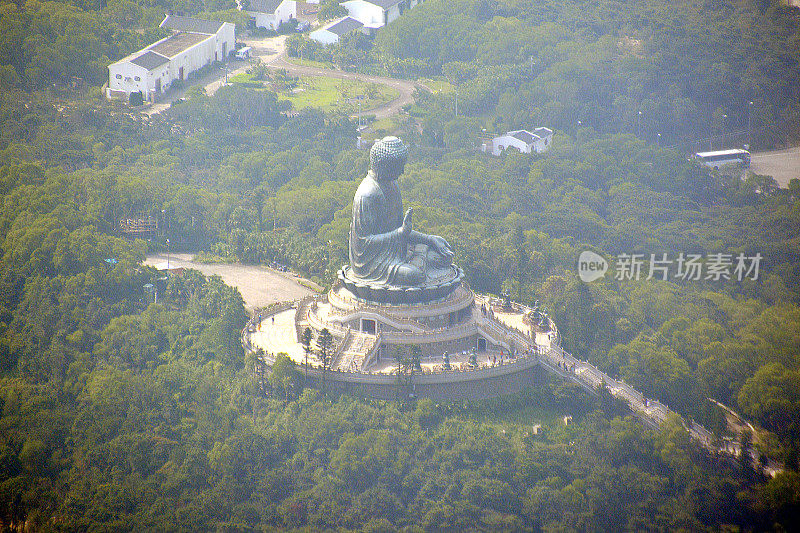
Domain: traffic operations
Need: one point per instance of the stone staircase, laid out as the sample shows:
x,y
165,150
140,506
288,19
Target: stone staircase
x,y
351,355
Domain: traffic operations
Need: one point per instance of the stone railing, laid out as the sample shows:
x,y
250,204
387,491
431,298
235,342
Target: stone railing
x,y
302,308
651,411
248,328
370,356
433,335
374,312
336,330
495,332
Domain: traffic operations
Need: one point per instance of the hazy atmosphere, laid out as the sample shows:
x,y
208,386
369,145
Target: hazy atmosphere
x,y
399,265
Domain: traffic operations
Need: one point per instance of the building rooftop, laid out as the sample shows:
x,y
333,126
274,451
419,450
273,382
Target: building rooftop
x,y
344,26
176,44
732,151
149,60
191,25
264,6
524,136
543,132
385,4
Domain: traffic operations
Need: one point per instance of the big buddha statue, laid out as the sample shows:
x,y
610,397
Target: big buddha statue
x,y
389,260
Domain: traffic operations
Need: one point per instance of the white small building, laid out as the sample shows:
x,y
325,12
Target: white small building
x,y
525,141
270,14
331,33
374,14
194,44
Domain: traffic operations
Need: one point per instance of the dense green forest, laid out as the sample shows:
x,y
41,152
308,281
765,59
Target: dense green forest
x,y
676,72
119,413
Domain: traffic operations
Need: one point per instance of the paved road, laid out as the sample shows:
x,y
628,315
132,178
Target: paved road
x,y
258,285
272,51
783,165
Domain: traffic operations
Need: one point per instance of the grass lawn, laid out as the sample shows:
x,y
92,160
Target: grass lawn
x,y
331,94
437,85
242,77
309,62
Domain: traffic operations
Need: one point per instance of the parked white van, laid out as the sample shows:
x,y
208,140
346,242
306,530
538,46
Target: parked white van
x,y
244,53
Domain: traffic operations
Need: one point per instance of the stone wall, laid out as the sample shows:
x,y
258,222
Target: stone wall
x,y
431,349
491,386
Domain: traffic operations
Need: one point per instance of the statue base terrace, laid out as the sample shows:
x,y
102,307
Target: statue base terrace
x,y
487,352
395,295
374,334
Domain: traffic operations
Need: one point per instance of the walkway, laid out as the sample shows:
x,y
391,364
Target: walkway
x,y
563,363
280,336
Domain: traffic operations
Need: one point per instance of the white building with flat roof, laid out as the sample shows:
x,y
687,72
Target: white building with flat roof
x,y
524,141
194,44
270,14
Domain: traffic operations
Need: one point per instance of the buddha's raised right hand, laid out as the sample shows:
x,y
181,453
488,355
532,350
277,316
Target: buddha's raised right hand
x,y
406,228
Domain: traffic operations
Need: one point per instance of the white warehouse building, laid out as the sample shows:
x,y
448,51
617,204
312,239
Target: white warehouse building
x,y
194,44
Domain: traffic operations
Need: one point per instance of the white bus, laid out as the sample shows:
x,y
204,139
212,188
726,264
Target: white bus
x,y
719,158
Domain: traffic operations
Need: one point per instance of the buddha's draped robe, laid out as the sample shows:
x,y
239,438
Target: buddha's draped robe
x,y
377,247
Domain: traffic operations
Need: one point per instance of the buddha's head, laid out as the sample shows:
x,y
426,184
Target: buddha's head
x,y
387,158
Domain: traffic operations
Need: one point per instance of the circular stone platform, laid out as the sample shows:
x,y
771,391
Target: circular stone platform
x,y
490,353
369,338
380,293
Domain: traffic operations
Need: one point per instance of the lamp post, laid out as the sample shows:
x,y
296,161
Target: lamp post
x,y
659,139
149,288
749,129
638,124
724,122
167,256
